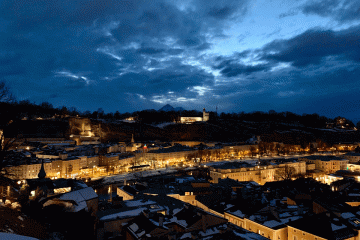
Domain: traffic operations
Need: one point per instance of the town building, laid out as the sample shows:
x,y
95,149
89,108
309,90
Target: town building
x,y
327,164
171,155
352,157
252,171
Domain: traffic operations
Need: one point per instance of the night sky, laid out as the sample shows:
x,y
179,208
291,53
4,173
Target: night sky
x,y
258,55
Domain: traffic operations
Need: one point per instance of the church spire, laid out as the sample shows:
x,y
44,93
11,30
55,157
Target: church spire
x,y
42,173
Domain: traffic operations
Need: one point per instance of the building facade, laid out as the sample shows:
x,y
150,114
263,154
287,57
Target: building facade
x,y
327,164
259,174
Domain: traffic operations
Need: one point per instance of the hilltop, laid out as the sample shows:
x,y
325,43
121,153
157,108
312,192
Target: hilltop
x,y
169,108
222,130
27,120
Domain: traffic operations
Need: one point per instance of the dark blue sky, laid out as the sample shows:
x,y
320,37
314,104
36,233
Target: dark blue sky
x,y
258,55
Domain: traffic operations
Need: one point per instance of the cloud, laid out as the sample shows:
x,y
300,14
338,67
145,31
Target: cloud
x,y
239,63
233,70
288,14
222,9
105,41
340,10
290,93
314,46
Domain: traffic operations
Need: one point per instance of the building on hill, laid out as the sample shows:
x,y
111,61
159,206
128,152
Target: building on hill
x,y
132,146
205,117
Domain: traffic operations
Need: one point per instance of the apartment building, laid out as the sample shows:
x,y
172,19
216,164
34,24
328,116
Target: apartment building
x,y
249,171
352,157
172,154
327,164
70,167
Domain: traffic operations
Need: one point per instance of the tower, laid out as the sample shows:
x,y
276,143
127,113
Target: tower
x,y
132,140
42,189
205,116
42,173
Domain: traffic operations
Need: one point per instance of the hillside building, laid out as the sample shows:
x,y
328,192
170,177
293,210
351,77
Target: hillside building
x,y
205,117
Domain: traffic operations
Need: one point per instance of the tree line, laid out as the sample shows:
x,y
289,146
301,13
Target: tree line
x,y
12,110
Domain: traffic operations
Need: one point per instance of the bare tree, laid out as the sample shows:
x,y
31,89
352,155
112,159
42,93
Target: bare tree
x,y
285,173
252,150
262,148
5,94
5,143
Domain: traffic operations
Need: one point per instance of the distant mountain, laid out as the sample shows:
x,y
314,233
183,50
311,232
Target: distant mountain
x,y
179,109
168,108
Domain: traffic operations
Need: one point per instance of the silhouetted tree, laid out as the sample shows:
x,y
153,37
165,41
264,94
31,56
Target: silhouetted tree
x,y
5,94
252,151
357,149
285,173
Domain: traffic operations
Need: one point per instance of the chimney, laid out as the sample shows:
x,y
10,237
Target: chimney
x,y
161,221
300,210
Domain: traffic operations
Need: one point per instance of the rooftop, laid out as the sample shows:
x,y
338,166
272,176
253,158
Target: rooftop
x,y
323,158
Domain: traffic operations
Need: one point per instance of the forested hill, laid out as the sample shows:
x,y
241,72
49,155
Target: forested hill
x,y
43,120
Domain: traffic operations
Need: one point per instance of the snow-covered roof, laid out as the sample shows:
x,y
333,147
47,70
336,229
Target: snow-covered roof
x,y
11,236
75,196
335,227
135,203
80,195
286,214
186,235
209,231
238,213
347,215
80,206
130,213
248,235
354,195
272,223
180,222
176,210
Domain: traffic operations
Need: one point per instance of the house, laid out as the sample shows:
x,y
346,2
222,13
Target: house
x,y
112,220
82,199
189,222
319,227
